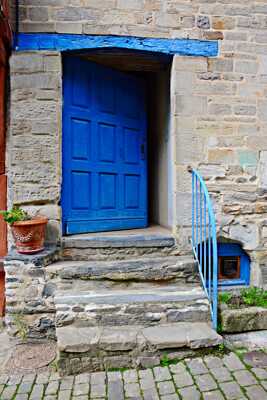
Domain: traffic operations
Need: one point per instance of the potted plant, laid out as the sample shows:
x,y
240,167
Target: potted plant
x,y
28,232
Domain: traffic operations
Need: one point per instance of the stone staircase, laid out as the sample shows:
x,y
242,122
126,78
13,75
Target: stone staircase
x,y
124,301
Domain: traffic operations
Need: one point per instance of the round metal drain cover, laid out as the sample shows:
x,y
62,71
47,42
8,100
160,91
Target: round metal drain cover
x,y
256,359
32,356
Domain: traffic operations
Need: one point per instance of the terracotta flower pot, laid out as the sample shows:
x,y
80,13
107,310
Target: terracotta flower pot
x,y
29,235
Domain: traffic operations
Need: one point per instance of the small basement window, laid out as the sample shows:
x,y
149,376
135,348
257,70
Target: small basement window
x,y
233,265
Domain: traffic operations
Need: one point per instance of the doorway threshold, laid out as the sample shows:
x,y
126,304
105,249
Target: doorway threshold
x,y
154,235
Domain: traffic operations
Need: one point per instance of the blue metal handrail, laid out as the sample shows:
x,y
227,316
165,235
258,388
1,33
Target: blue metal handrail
x,y
204,241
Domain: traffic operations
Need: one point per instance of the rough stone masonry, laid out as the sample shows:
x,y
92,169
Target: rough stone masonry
x,y
218,108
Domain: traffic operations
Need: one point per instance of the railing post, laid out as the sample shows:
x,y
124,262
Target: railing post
x,y
205,245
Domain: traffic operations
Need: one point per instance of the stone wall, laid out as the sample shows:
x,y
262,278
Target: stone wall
x,y
34,140
219,106
30,308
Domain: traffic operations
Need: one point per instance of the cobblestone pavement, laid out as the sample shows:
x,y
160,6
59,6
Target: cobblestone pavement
x,y
206,378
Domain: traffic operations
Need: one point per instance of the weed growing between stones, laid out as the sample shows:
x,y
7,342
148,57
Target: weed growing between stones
x,y
225,297
254,297
251,297
21,326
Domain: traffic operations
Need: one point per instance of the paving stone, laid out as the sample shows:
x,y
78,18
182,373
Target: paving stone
x,y
115,390
51,397
132,390
221,374
43,378
98,390
29,378
264,384
184,379
173,396
114,376
80,389
8,392
146,379
146,374
21,397
15,380
214,395
244,378
189,393
66,383
166,387
83,397
177,368
205,382
52,388
54,376
197,366
256,392
231,390
37,392
25,388
3,379
98,378
64,395
161,374
260,373
150,394
82,378
130,376
232,362
213,362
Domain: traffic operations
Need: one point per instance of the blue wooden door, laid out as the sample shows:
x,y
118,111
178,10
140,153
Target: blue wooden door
x,y
104,149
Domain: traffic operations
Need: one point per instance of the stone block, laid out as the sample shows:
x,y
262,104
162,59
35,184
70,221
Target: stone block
x,y
247,233
121,339
190,105
26,63
245,110
130,4
67,14
183,82
203,22
52,63
262,110
69,27
84,340
35,81
247,157
246,67
220,65
167,20
224,156
223,23
37,27
213,35
39,14
219,109
193,64
243,320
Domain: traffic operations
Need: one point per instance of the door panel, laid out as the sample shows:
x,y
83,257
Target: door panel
x,y
104,149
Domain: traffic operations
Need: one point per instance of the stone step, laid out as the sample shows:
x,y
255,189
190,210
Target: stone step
x,y
101,348
147,305
160,269
119,245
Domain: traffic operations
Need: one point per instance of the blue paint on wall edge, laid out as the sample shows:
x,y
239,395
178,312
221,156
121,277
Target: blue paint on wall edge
x,y
68,42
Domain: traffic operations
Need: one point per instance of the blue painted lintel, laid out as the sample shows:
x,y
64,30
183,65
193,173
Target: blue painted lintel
x,y
68,42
